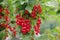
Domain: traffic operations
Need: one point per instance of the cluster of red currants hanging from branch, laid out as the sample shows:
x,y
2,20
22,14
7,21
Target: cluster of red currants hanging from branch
x,y
25,23
37,26
2,15
12,29
36,9
7,26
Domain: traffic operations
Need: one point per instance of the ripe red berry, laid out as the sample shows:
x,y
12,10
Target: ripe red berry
x,y
26,11
14,33
3,25
0,17
33,14
28,21
7,18
37,30
8,26
11,29
18,16
23,31
35,8
1,10
39,8
38,22
6,11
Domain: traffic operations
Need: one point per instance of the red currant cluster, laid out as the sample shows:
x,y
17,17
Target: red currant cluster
x,y
36,9
25,23
37,26
13,30
24,20
1,11
5,11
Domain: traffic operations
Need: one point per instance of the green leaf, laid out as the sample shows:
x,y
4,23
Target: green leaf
x,y
29,8
1,0
52,12
58,11
2,35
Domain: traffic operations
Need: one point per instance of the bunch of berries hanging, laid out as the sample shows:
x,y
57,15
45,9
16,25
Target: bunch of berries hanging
x,y
24,20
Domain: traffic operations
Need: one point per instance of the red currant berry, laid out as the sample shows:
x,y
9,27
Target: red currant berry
x,y
26,11
1,10
18,16
39,9
35,8
6,11
33,14
0,17
7,18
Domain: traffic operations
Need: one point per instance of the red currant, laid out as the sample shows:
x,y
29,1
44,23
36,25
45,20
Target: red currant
x,y
26,11
33,14
35,8
0,17
7,18
39,9
1,10
6,11
18,16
